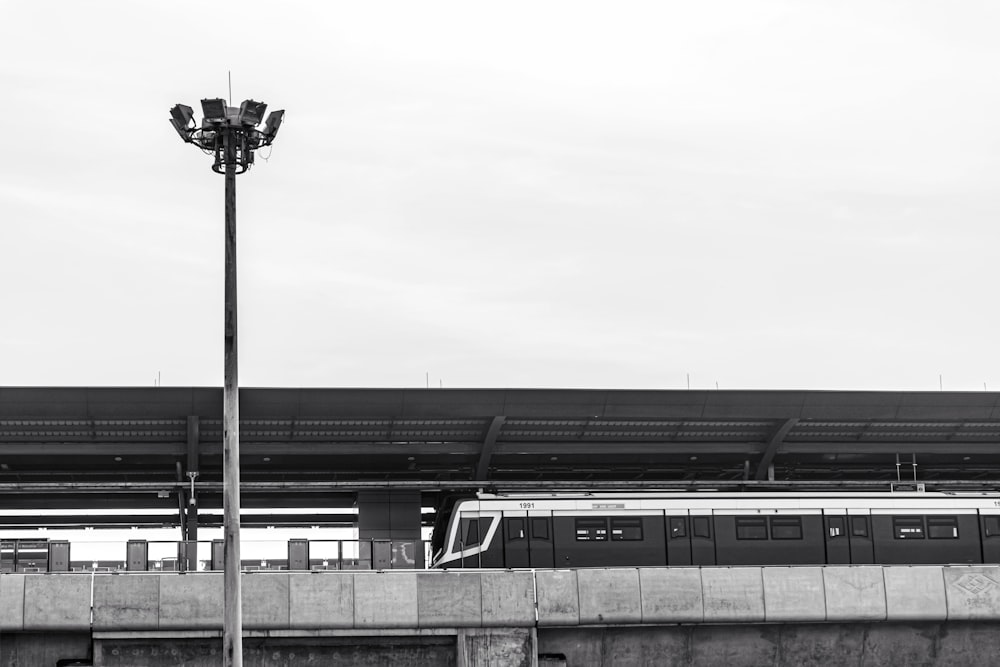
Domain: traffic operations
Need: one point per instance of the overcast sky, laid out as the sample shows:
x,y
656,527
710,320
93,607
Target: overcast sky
x,y
763,195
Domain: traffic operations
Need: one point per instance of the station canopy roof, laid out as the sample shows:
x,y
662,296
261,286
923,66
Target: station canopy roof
x,y
134,447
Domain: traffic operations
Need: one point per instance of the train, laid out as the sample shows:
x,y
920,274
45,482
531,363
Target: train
x,y
719,528
577,530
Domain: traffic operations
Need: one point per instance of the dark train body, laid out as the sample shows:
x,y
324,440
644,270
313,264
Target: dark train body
x,y
678,529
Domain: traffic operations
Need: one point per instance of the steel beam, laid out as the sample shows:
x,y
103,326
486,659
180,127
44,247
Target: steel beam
x,y
777,438
483,465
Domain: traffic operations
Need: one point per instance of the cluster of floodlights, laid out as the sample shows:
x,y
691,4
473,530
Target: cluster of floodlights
x,y
224,124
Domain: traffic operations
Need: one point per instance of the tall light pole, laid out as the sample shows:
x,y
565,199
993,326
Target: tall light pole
x,y
231,135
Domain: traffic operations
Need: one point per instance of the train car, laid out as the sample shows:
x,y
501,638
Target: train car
x,y
679,528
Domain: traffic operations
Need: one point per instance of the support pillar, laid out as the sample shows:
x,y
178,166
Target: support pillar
x,y
389,525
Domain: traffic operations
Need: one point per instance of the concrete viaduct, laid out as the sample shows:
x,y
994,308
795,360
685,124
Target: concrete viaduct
x,y
810,615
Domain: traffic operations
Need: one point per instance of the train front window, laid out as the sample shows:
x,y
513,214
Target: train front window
x,y
471,531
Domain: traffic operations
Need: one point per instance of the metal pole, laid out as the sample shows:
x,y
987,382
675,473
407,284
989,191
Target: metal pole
x,y
232,635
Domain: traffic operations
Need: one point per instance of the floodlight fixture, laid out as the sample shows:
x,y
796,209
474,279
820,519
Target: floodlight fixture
x,y
229,133
251,112
214,109
182,118
271,126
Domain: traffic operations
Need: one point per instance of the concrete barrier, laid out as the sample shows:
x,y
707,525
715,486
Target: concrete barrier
x,y
972,592
266,601
733,594
609,596
11,602
671,595
57,602
129,602
914,593
321,600
449,599
385,599
558,597
794,594
854,593
508,599
362,601
191,601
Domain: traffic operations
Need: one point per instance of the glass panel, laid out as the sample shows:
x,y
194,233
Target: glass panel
x,y
540,528
786,528
908,527
470,533
835,526
942,527
751,528
859,526
701,527
515,529
626,528
678,526
591,530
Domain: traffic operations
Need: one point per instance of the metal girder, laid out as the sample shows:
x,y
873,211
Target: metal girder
x,y
483,465
777,438
306,488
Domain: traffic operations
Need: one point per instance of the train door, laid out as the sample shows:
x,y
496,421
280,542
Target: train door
x,y
702,538
838,544
859,526
541,547
990,530
515,539
678,539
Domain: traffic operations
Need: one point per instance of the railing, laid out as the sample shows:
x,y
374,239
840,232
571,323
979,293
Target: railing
x,y
207,556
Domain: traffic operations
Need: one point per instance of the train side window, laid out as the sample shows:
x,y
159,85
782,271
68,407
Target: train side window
x,y
835,526
678,526
991,524
786,528
908,527
591,530
540,528
859,526
515,529
751,528
626,528
942,527
701,527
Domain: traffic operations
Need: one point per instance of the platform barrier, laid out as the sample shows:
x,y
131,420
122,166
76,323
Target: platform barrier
x,y
398,599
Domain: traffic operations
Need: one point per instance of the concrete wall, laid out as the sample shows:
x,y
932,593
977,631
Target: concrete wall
x,y
502,599
802,615
964,643
768,594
